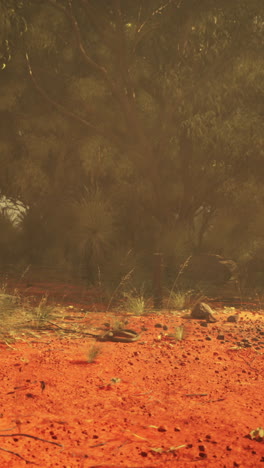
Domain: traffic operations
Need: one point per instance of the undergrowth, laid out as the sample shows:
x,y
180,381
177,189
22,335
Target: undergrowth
x,y
135,302
93,353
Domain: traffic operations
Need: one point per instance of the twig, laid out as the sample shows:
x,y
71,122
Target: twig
x,y
56,104
19,456
31,437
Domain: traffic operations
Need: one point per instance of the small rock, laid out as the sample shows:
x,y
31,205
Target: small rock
x,y
162,428
158,325
143,454
203,311
220,337
232,318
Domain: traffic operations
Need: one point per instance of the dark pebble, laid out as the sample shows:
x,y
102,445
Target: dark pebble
x,y
201,448
158,325
232,318
220,337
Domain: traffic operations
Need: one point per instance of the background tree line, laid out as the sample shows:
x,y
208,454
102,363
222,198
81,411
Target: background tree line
x,y
129,127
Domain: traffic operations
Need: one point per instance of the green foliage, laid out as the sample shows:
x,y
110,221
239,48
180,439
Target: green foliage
x,y
132,127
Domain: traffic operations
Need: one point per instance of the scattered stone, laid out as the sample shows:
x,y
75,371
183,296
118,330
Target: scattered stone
x,y
143,454
201,448
208,338
162,428
158,325
203,311
165,327
232,318
220,337
204,324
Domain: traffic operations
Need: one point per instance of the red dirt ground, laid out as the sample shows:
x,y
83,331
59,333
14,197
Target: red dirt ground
x,y
153,403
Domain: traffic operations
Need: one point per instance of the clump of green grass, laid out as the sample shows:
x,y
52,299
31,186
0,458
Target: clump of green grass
x,y
179,300
93,353
135,302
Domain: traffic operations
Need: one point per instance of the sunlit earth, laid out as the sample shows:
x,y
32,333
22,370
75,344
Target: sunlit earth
x,y
166,400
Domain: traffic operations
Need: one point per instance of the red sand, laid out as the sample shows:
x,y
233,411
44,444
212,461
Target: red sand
x,y
152,403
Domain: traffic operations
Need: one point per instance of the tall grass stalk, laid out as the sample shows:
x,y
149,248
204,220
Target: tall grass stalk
x,y
119,286
180,272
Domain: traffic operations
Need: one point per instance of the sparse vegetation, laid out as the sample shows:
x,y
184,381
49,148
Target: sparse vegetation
x,y
93,353
180,299
135,302
42,312
120,285
180,333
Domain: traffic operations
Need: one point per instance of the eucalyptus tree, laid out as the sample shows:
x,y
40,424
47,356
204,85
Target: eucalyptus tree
x,y
155,106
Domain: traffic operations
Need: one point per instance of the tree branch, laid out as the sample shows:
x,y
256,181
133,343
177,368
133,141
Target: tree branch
x,y
76,28
56,104
117,91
